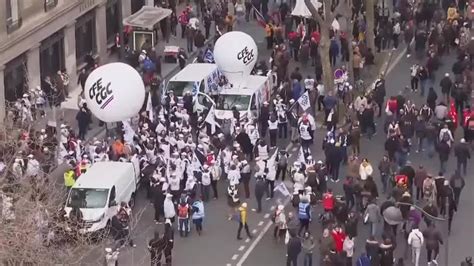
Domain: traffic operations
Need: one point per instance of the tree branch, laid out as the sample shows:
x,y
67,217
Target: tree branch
x,y
314,12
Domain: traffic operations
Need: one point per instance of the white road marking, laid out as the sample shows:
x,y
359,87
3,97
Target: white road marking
x,y
260,223
241,248
247,240
235,256
228,264
290,146
254,231
272,208
266,216
397,59
255,242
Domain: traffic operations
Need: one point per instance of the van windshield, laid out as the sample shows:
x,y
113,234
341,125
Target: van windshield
x,y
180,87
88,198
228,101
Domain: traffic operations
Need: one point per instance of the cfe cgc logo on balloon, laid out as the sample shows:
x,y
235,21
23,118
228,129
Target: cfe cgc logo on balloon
x,y
102,94
246,56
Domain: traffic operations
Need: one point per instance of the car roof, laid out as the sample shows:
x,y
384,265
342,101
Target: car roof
x,y
102,174
194,72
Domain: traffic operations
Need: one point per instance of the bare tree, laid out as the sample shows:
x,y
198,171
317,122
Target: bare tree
x,y
325,22
33,226
370,17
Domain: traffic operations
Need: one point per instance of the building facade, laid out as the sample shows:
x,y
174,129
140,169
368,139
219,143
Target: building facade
x,y
40,37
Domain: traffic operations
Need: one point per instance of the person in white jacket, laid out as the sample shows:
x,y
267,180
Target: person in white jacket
x,y
233,175
168,206
365,169
415,240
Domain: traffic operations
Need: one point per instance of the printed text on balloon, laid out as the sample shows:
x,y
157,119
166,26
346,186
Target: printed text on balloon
x,y
245,55
101,93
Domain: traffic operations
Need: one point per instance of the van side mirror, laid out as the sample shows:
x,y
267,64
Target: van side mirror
x,y
112,203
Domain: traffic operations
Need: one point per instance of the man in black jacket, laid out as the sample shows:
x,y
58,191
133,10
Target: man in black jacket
x,y
156,247
293,250
462,153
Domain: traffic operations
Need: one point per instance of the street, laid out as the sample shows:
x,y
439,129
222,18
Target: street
x,y
218,245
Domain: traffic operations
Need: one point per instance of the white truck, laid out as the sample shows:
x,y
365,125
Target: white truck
x,y
99,191
247,99
195,77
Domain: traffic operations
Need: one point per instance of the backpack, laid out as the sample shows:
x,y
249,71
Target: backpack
x,y
183,211
363,260
446,136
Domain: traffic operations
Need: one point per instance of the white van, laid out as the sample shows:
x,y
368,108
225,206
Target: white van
x,y
99,191
205,75
247,99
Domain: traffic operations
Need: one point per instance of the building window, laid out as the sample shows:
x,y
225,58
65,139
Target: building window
x,y
113,20
85,37
16,80
13,15
137,5
49,4
52,55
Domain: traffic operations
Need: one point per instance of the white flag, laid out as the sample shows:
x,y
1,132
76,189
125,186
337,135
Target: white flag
x,y
149,108
283,189
211,119
304,101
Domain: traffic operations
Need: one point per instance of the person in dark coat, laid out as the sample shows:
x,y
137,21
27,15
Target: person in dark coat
x,y
443,150
386,253
260,189
431,98
199,39
351,224
156,246
372,248
432,238
293,250
263,119
379,94
84,118
457,183
446,84
462,153
244,140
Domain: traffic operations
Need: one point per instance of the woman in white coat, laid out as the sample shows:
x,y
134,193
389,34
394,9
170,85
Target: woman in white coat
x,y
365,169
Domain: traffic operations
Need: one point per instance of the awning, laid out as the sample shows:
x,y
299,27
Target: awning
x,y
147,17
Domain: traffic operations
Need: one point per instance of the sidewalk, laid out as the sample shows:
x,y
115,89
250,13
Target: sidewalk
x,y
67,113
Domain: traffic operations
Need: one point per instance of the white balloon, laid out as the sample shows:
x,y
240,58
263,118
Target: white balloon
x,y
114,92
235,54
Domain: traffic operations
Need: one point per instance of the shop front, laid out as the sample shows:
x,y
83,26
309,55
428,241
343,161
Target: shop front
x,y
85,37
15,79
52,55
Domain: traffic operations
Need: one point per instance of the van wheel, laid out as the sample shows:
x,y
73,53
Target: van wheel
x,y
131,203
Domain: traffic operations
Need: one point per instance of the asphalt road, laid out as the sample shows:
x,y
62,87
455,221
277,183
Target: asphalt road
x,y
461,241
218,245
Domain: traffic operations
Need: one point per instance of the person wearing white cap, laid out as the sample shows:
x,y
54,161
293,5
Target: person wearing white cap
x,y
111,257
206,179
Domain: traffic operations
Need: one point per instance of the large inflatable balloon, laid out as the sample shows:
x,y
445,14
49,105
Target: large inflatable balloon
x,y
114,92
235,54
